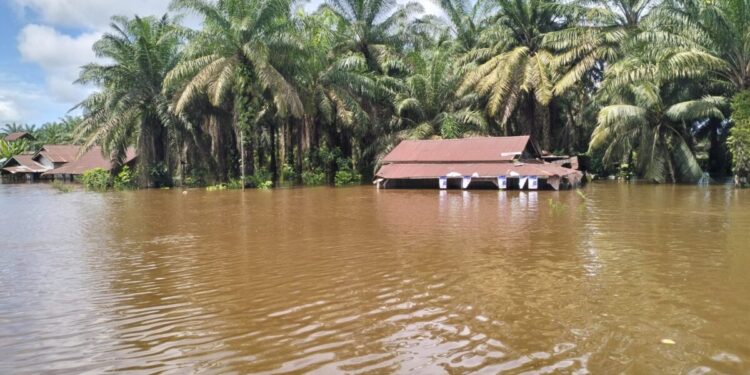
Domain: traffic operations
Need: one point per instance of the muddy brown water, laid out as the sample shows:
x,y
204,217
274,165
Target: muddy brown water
x,y
357,280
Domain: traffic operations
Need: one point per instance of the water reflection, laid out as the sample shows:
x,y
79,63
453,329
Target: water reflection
x,y
363,280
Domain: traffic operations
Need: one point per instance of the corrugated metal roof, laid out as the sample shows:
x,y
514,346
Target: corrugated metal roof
x,y
435,170
480,149
23,163
17,135
93,158
59,153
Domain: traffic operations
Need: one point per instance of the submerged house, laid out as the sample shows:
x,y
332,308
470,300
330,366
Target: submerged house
x,y
55,156
93,158
23,165
33,165
486,162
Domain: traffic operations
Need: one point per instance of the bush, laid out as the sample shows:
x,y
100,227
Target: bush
x,y
262,179
124,180
739,137
314,177
97,179
287,172
346,174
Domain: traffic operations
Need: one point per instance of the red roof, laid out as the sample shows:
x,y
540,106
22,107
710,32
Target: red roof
x,y
59,153
508,169
92,159
23,163
18,135
481,149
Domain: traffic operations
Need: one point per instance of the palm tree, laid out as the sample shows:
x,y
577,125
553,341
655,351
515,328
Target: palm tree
x,y
58,132
721,28
467,20
131,109
647,119
602,32
430,107
370,28
513,71
239,52
374,32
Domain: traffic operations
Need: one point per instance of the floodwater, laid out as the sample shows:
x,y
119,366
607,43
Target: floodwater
x,y
356,280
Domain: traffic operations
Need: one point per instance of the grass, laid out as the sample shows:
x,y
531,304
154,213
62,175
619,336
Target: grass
x,y
62,187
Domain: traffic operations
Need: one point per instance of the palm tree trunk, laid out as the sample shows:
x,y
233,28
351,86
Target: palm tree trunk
x,y
298,130
274,155
542,124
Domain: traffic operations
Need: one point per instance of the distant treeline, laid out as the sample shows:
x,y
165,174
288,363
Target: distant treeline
x,y
272,93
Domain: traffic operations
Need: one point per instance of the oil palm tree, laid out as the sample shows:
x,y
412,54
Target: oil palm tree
x,y
600,34
429,106
239,53
371,28
721,28
466,20
650,124
513,72
236,34
130,109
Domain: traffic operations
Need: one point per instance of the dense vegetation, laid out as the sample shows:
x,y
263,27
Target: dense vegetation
x,y
265,91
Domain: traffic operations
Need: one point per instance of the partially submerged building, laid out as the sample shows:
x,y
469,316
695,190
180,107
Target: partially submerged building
x,y
92,159
55,156
32,166
486,162
23,166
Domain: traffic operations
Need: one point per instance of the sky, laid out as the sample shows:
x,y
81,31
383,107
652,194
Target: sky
x,y
43,44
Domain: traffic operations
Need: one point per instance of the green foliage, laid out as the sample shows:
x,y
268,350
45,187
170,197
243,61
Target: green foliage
x,y
314,177
10,149
217,187
346,174
61,186
130,107
739,139
124,180
97,179
262,179
344,84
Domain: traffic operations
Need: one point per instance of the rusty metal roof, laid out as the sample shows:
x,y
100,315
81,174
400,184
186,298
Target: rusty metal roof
x,y
479,149
93,158
59,153
435,170
23,163
18,135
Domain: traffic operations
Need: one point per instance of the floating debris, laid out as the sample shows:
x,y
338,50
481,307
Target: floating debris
x,y
668,341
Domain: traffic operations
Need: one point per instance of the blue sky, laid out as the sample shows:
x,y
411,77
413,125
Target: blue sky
x,y
45,42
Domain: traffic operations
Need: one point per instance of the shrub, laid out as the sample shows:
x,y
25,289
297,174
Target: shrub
x,y
314,177
97,179
262,179
346,175
287,172
125,179
739,138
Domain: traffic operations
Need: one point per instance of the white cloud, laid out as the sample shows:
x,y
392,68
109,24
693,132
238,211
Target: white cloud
x,y
91,14
9,111
26,102
60,56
